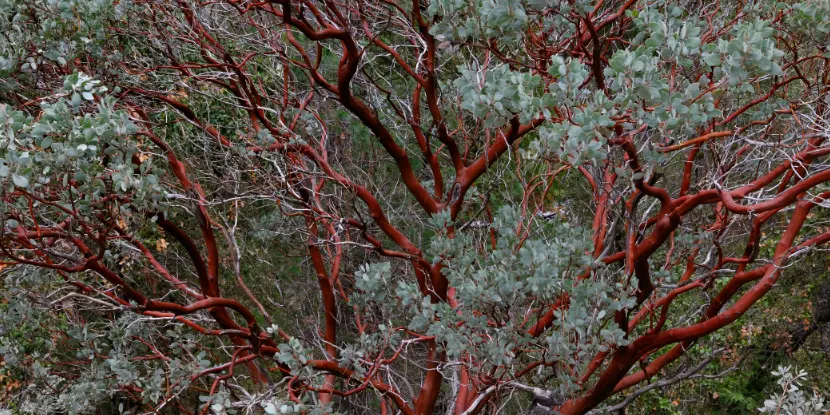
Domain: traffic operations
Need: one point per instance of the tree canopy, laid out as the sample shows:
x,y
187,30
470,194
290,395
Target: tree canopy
x,y
415,207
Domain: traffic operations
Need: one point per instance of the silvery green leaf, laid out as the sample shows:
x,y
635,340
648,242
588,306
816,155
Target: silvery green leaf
x,y
20,181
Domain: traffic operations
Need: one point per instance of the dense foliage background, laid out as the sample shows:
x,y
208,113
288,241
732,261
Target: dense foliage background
x,y
417,207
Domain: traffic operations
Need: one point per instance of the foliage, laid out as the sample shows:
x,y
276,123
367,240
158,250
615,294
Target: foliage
x,y
792,399
447,206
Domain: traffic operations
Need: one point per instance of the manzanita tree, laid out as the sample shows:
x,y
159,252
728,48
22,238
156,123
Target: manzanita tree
x,y
388,206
